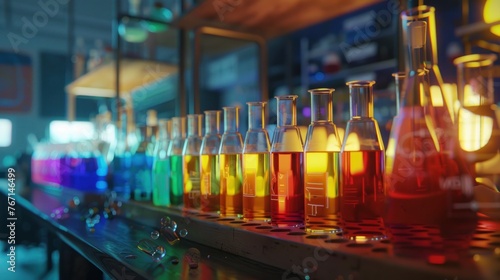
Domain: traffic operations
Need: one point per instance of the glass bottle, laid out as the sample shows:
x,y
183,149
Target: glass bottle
x,y
174,154
191,162
142,166
161,168
256,150
418,173
231,146
321,165
210,172
122,161
362,192
287,156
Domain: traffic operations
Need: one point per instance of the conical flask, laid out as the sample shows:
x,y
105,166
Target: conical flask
x,y
210,171
231,146
175,148
420,205
191,162
362,163
161,189
256,178
321,165
287,157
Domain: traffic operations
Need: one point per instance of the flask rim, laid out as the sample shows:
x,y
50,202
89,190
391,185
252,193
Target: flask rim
x,y
475,60
360,83
321,91
418,12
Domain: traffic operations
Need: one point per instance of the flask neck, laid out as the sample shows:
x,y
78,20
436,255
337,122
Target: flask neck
x,y
194,125
423,14
231,119
178,127
212,122
257,115
361,99
321,105
287,110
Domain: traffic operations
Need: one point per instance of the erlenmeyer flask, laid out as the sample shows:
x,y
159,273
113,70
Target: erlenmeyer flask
x,y
362,192
287,156
421,215
321,165
174,154
231,146
210,172
256,149
161,169
191,162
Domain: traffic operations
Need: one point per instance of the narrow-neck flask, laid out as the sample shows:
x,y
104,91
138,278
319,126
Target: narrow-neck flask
x,y
256,151
231,146
175,148
191,162
161,193
321,165
419,172
209,165
142,166
362,163
399,81
287,154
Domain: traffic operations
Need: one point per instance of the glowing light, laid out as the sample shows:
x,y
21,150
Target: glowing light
x,y
6,135
491,15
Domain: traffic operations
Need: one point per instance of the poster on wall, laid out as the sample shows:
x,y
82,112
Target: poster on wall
x,y
15,82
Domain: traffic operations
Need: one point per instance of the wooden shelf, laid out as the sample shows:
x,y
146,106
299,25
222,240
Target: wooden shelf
x,y
134,73
267,18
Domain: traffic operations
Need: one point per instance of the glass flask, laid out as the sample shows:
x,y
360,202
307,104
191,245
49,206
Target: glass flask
x,y
399,81
321,165
210,172
256,151
133,30
174,155
362,193
423,184
142,166
161,168
477,120
287,156
231,146
122,161
191,162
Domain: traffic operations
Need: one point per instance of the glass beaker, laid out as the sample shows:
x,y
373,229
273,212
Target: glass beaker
x,y
210,171
287,157
191,161
321,165
231,146
174,154
477,119
142,166
256,150
362,193
161,169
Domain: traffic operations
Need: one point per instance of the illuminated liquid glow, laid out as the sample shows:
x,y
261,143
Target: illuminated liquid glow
x,y
176,182
362,193
192,181
209,185
287,189
161,193
321,191
231,194
256,199
142,176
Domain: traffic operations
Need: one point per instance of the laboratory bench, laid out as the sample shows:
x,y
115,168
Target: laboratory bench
x,y
227,248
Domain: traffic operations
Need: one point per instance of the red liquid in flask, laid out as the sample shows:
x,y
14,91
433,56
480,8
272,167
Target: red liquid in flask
x,y
362,194
287,189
